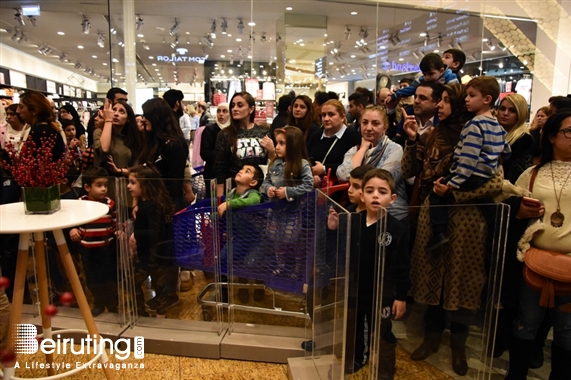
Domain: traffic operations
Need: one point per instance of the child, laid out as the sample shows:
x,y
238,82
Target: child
x,y
149,238
96,240
454,59
476,157
356,189
433,70
72,142
289,176
248,180
379,190
66,188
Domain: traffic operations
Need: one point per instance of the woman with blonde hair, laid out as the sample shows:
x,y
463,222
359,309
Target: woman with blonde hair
x,y
512,116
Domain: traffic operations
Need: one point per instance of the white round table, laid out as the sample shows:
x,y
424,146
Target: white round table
x,y
13,220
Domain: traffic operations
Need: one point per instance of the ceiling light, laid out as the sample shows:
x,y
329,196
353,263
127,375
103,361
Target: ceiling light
x,y
264,38
79,47
252,23
100,40
115,60
153,64
238,40
501,65
19,17
231,59
289,8
353,56
347,32
62,57
138,22
213,29
353,13
61,33
436,51
175,27
140,35
222,56
16,35
85,25
32,20
224,26
423,34
104,63
484,40
77,65
502,46
525,61
490,44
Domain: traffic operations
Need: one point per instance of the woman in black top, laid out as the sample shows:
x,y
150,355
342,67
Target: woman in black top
x,y
35,109
512,115
208,143
242,142
164,147
327,149
301,116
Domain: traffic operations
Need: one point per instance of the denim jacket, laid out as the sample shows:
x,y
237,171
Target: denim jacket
x,y
275,178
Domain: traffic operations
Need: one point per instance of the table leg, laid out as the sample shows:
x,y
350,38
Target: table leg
x,y
17,299
42,283
80,297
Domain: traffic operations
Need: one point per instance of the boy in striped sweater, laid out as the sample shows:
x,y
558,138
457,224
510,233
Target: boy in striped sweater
x,y
476,158
97,243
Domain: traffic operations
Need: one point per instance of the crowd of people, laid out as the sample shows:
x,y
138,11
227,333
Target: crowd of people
x,y
431,144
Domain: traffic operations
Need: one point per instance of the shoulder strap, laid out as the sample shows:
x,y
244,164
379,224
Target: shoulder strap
x,y
532,179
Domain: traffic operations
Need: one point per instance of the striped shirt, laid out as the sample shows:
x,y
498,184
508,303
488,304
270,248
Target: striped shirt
x,y
100,232
482,143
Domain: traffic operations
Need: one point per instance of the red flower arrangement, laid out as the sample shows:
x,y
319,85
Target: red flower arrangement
x,y
33,167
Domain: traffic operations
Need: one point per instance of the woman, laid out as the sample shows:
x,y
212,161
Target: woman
x,y
16,129
164,146
450,281
117,144
208,143
301,116
242,142
35,109
378,150
549,182
68,112
512,115
327,149
536,128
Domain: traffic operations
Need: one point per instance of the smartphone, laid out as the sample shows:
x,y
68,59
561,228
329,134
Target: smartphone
x,y
530,202
312,160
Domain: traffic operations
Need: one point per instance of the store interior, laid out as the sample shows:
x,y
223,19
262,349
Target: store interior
x,y
75,51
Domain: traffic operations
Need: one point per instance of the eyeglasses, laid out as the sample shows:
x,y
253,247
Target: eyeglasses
x,y
566,132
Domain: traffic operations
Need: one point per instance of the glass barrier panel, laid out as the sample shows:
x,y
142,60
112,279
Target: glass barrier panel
x,y
453,301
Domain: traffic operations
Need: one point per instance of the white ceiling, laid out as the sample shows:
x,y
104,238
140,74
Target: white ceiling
x,y
196,17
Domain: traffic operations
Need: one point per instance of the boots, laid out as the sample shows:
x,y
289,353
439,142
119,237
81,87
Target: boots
x,y
458,347
428,347
560,363
520,356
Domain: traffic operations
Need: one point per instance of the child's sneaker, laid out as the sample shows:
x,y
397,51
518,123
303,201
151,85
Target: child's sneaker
x,y
436,241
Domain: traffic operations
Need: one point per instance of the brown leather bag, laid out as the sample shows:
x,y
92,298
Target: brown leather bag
x,y
549,273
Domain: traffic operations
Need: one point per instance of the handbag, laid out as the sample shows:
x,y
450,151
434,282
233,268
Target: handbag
x,y
546,271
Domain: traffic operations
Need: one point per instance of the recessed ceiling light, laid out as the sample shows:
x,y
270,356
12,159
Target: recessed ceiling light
x,y
156,69
222,56
353,56
154,64
80,47
140,35
423,34
353,13
229,35
115,60
93,56
238,40
289,8
104,63
436,51
61,33
484,40
401,59
229,50
330,63
301,44
151,57
252,23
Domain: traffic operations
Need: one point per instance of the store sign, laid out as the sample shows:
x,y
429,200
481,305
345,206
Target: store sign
x,y
405,67
320,67
166,58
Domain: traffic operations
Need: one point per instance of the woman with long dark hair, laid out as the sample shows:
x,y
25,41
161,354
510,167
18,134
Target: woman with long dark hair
x,y
164,146
117,144
301,116
35,109
242,142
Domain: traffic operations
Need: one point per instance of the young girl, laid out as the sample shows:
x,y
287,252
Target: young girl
x,y
150,234
289,176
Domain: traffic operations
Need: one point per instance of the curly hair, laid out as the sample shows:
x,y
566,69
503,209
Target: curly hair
x,y
153,188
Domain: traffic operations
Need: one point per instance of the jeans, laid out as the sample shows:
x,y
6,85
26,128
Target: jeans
x,y
530,316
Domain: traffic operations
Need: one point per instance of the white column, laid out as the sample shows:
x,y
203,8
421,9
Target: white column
x,y
130,49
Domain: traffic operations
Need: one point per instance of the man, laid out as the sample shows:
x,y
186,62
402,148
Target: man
x,y
559,103
204,114
116,93
174,99
357,104
426,98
